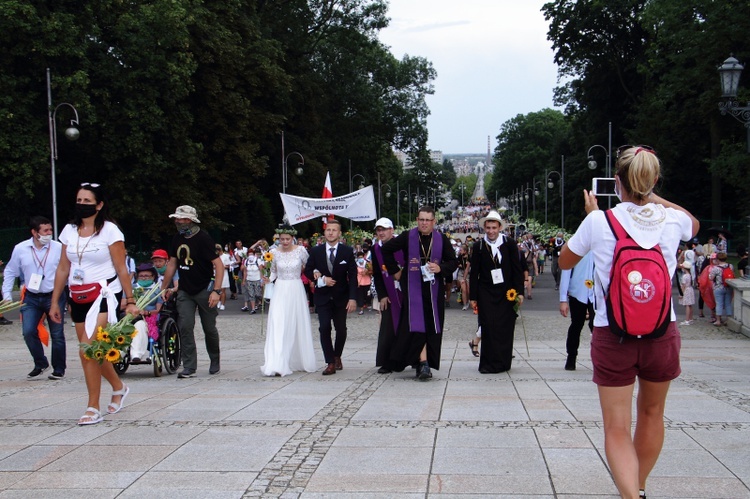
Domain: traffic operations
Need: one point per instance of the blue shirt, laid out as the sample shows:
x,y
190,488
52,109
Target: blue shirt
x,y
573,281
27,260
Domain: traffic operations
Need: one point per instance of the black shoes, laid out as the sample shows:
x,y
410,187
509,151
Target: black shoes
x,y
187,373
36,372
4,321
570,364
384,370
423,371
215,368
56,375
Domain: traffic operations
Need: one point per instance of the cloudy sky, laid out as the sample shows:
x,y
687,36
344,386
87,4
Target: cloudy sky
x,y
492,58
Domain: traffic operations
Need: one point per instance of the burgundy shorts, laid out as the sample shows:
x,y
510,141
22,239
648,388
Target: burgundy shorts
x,y
618,364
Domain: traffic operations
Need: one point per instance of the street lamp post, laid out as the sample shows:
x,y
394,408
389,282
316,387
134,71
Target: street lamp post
x,y
361,182
285,166
71,133
463,188
730,72
593,165
398,203
387,194
551,185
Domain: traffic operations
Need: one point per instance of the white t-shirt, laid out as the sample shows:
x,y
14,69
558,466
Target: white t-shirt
x,y
252,266
667,227
91,255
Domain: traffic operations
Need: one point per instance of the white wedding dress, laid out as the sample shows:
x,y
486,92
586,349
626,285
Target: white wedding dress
x,y
289,342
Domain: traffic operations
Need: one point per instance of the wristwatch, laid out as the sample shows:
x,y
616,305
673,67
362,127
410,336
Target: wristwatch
x,y
217,291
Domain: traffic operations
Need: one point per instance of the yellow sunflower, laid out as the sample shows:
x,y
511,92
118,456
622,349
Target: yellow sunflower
x,y
268,256
98,355
511,294
132,335
589,283
104,336
113,355
120,340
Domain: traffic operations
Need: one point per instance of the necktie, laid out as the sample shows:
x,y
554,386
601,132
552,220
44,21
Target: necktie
x,y
331,258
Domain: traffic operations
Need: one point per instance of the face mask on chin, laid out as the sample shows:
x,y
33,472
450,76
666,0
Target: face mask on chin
x,y
161,270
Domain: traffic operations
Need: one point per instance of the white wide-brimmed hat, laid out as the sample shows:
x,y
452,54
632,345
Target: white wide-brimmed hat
x,y
493,216
186,211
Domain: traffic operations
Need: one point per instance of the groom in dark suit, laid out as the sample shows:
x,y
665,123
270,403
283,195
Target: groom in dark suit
x,y
333,269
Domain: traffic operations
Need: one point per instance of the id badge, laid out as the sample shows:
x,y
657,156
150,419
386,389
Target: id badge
x,y
77,276
427,275
34,283
497,276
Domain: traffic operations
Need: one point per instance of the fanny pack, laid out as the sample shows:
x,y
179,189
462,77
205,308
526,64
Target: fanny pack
x,y
86,293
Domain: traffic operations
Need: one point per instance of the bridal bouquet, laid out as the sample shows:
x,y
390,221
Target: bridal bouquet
x,y
113,339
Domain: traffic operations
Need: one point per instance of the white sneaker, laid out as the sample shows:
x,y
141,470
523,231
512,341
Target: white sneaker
x,y
686,323
220,306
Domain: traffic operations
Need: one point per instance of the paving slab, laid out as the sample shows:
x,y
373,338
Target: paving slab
x,y
533,432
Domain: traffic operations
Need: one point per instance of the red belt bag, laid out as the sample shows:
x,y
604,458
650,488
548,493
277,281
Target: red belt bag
x,y
85,293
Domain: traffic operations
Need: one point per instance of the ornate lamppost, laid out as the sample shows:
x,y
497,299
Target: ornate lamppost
x,y
71,133
284,165
729,74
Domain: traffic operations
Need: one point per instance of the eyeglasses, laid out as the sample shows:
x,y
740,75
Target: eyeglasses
x,y
425,219
638,149
86,184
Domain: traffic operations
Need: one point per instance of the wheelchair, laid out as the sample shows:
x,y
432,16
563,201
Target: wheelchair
x,y
164,352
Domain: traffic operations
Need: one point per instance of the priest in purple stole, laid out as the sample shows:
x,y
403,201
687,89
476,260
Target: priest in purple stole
x,y
496,268
429,260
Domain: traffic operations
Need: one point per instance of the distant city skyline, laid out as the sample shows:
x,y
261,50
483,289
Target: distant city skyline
x,y
493,62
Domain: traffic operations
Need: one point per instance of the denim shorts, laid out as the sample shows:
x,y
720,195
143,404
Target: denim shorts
x,y
619,363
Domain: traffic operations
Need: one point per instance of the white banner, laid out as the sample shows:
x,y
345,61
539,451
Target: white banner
x,y
357,206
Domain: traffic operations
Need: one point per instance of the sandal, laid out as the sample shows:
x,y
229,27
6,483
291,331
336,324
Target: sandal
x,y
93,418
474,349
114,408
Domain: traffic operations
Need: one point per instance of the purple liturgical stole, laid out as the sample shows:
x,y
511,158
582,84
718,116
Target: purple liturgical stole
x,y
390,285
416,307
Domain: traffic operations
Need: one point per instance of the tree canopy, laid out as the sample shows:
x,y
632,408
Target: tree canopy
x,y
184,102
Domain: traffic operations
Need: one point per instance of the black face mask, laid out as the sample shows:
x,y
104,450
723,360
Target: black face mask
x,y
85,210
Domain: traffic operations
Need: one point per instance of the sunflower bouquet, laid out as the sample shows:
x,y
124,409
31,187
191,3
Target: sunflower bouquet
x,y
112,340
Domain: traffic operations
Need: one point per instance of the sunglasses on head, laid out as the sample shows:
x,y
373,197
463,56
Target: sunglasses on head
x,y
87,184
638,149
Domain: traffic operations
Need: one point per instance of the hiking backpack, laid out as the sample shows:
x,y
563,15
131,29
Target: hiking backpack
x,y
639,298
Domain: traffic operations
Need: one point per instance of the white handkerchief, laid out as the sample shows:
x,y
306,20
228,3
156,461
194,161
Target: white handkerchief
x,y
342,261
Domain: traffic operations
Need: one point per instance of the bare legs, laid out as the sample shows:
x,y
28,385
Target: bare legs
x,y
93,371
631,458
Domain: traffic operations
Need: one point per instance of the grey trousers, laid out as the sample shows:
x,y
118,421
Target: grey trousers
x,y
186,305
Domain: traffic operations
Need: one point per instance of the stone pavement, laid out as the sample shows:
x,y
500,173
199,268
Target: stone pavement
x,y
534,432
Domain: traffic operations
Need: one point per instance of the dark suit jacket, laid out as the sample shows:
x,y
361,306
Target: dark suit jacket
x,y
344,273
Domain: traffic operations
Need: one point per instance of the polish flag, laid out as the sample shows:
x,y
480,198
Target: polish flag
x,y
327,194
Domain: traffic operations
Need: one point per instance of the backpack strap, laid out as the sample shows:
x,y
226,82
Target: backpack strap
x,y
615,226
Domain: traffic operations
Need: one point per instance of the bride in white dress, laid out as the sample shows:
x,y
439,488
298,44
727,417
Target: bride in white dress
x,y
289,343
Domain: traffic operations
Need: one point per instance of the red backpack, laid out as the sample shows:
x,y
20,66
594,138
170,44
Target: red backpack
x,y
639,298
727,273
